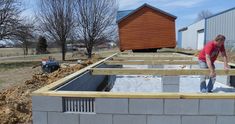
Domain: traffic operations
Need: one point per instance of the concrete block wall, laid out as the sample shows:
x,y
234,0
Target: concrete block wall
x,y
48,110
170,83
222,79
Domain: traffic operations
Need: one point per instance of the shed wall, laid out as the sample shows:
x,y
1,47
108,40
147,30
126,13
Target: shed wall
x,y
147,28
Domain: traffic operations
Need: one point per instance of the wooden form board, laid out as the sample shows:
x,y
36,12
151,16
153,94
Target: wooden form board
x,y
150,55
70,77
140,95
152,58
46,91
163,72
149,62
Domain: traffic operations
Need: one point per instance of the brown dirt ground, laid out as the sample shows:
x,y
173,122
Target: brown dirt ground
x,y
15,101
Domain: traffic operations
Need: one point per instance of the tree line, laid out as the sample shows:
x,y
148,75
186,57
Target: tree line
x,y
87,21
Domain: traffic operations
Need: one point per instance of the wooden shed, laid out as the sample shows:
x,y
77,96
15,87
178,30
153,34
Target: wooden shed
x,y
146,27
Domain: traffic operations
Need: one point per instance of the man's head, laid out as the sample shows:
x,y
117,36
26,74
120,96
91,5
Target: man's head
x,y
220,40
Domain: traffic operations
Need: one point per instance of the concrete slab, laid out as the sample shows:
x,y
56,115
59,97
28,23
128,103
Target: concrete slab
x,y
153,83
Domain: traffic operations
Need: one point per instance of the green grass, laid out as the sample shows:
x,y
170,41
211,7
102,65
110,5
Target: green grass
x,y
13,65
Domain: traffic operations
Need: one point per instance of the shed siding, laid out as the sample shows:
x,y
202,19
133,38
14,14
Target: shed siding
x,y
147,28
222,24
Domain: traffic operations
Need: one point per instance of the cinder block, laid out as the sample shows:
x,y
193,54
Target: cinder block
x,y
39,117
62,118
170,88
170,80
216,107
163,119
95,119
225,119
146,106
129,119
198,119
108,105
47,103
222,79
181,106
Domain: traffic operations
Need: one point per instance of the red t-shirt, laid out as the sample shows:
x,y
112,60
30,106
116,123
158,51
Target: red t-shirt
x,y
212,50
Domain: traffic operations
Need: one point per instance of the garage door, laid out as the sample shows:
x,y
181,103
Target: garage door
x,y
200,39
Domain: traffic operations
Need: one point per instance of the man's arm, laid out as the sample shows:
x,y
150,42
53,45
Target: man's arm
x,y
209,64
225,58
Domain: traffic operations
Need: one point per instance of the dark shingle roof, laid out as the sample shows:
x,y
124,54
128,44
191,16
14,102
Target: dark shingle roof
x,y
121,15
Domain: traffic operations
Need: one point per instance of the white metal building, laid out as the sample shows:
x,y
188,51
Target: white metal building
x,y
222,23
196,35
192,37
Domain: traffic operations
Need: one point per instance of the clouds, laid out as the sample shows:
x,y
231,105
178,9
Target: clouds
x,y
184,3
130,4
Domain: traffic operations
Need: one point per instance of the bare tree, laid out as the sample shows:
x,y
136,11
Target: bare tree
x,y
56,19
10,11
24,35
95,19
203,14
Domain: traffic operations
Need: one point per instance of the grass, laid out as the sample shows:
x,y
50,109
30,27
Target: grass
x,y
1,83
13,65
6,52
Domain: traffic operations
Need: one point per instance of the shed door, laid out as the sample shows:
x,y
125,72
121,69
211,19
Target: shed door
x,y
200,39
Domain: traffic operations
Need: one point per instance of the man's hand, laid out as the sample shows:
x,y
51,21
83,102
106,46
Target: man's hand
x,y
212,74
226,68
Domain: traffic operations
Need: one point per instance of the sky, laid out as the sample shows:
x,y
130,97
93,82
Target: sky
x,y
185,10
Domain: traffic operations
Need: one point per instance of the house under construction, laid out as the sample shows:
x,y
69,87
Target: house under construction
x,y
137,88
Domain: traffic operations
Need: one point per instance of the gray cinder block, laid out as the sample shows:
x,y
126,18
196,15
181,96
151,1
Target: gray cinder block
x,y
95,119
47,103
109,105
39,117
129,119
198,119
62,118
225,119
170,80
146,106
216,107
181,106
170,88
163,119
170,83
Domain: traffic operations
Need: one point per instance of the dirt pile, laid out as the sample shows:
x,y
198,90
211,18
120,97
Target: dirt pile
x,y
15,102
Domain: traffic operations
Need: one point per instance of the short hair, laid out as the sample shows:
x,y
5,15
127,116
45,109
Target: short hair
x,y
220,37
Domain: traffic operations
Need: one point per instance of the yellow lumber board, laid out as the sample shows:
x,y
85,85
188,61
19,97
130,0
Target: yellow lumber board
x,y
152,71
140,95
153,58
149,55
151,62
70,77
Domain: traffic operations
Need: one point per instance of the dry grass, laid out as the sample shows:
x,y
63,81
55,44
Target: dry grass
x,y
6,52
14,76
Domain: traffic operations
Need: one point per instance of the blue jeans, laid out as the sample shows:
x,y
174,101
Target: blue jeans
x,y
210,85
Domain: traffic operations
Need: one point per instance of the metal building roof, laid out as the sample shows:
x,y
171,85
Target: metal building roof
x,y
221,12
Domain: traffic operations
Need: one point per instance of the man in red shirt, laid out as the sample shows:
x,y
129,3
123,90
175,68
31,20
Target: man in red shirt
x,y
207,57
